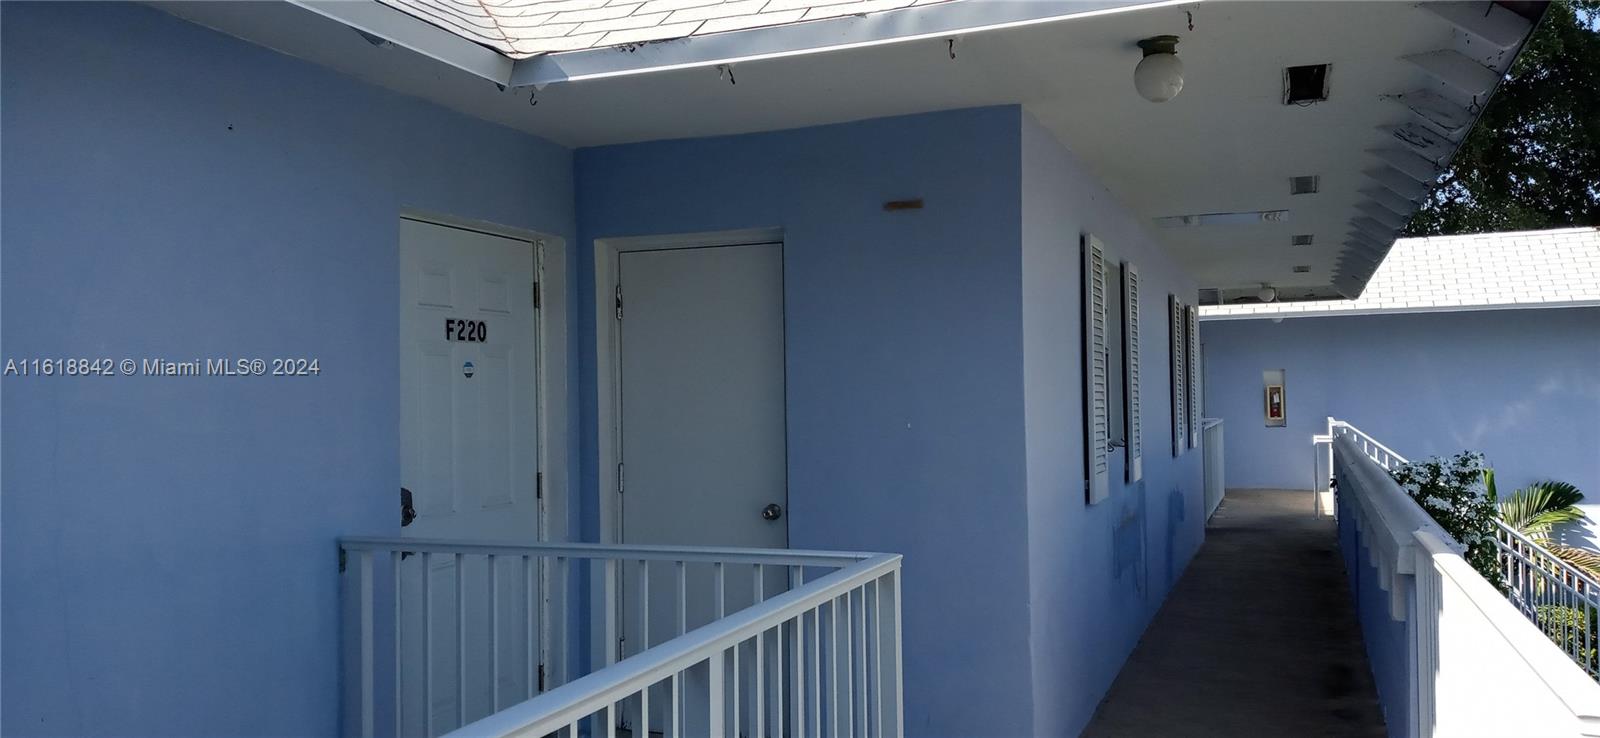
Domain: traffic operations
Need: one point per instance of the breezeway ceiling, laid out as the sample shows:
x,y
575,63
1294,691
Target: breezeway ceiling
x,y
1227,144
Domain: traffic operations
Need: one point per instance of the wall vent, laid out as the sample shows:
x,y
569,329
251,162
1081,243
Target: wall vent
x,y
1301,239
1302,269
1304,185
1305,85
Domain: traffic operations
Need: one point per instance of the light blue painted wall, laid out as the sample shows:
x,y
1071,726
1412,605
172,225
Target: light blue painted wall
x,y
1097,573
904,364
169,559
1522,386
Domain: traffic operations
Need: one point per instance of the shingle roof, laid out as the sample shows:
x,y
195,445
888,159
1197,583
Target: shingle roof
x,y
524,28
1556,268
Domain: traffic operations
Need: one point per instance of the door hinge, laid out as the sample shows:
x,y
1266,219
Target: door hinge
x,y
536,296
619,301
538,486
619,479
341,560
541,677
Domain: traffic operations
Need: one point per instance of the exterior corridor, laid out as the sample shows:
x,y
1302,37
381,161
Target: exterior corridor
x,y
1258,638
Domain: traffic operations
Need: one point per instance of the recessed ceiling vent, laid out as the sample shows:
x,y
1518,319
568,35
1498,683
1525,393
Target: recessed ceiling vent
x,y
1304,185
1305,85
1301,239
1302,269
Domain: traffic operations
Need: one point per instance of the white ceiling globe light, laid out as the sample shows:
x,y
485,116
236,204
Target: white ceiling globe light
x,y
1159,76
1267,293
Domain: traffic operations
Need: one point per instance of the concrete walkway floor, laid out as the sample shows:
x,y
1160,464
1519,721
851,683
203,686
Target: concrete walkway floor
x,y
1259,637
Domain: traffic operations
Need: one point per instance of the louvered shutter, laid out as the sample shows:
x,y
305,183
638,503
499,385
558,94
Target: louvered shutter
x,y
1130,370
1096,388
1193,356
1180,376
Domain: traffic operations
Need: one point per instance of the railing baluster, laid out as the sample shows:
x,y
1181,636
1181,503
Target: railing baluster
x,y
860,627
816,671
849,662
834,714
494,633
530,612
683,596
461,641
399,686
564,571
715,727
719,587
612,645
876,629
733,679
677,715
758,714
644,712
365,595
644,606
797,667
427,644
778,711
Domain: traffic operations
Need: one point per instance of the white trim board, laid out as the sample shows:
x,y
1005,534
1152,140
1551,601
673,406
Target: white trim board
x,y
1337,313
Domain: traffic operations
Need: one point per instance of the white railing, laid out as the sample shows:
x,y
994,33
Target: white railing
x,y
1472,663
1561,599
474,640
1215,479
1322,448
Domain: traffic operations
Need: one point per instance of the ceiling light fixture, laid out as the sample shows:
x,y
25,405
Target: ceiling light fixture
x,y
1159,76
1268,293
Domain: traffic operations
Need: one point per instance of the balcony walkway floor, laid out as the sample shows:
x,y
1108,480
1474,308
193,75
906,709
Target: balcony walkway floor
x,y
1259,637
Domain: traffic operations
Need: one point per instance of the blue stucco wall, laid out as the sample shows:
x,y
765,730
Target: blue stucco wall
x,y
1097,573
903,364
1522,386
169,560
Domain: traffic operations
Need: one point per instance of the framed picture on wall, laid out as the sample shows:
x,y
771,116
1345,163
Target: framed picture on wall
x,y
1274,402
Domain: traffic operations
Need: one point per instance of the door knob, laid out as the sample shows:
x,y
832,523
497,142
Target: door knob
x,y
408,513
772,512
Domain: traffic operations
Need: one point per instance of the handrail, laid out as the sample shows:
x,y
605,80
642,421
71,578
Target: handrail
x,y
631,552
1334,425
1386,517
1564,680
578,699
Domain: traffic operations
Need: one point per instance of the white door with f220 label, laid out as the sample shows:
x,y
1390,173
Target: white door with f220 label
x,y
469,464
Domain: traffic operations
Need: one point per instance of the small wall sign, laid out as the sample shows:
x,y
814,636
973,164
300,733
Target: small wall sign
x,y
471,331
467,370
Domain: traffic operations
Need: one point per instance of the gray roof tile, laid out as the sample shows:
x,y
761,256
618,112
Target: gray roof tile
x,y
524,28
1474,272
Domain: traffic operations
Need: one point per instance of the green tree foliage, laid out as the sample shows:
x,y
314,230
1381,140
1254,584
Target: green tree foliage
x,y
1533,160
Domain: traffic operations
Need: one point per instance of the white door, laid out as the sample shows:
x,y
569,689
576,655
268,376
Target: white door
x,y
701,345
703,457
469,439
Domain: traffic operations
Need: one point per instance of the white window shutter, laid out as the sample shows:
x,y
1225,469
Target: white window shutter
x,y
1180,376
1193,355
1130,370
1096,387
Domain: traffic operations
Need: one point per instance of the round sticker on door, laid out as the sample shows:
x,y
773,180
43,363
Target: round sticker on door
x,y
467,370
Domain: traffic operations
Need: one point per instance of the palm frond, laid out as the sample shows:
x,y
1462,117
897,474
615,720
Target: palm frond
x,y
1584,560
1536,509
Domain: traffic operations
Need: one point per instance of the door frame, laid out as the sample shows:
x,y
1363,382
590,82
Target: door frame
x,y
608,396
551,407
